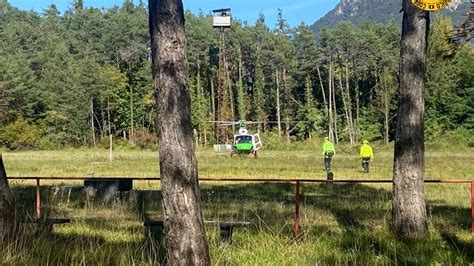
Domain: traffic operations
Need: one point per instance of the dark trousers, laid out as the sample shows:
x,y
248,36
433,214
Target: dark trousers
x,y
365,163
327,162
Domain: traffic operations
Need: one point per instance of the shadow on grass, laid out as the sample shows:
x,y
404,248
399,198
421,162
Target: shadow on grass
x,y
347,203
443,217
465,248
24,200
82,243
350,204
355,209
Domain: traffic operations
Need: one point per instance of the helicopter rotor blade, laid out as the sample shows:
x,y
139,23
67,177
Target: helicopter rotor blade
x,y
224,122
276,122
242,122
289,121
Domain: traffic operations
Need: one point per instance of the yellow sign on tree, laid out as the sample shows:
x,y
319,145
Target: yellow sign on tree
x,y
431,5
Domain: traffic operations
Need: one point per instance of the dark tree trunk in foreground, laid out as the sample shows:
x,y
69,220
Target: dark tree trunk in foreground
x,y
7,207
184,226
409,210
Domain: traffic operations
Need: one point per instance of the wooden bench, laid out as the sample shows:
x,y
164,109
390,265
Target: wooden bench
x,y
226,228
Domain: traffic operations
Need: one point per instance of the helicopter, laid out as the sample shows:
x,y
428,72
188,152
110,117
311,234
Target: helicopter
x,y
244,143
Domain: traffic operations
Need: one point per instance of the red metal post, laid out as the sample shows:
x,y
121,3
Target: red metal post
x,y
38,199
296,226
472,208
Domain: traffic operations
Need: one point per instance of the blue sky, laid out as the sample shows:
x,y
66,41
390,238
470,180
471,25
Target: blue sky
x,y
294,11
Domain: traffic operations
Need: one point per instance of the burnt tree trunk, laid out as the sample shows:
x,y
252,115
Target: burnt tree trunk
x,y
7,206
409,210
184,227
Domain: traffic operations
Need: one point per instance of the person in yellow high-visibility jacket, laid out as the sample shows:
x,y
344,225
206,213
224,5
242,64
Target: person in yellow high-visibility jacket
x,y
366,155
328,153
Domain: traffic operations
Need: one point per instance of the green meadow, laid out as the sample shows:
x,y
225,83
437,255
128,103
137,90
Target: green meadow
x,y
340,223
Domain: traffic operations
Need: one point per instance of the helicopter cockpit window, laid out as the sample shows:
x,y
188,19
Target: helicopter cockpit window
x,y
257,139
243,139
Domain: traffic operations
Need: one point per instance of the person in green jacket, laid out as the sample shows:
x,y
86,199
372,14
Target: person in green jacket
x,y
328,153
366,155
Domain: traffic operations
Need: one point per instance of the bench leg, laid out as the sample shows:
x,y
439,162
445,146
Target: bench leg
x,y
156,246
140,206
226,234
42,228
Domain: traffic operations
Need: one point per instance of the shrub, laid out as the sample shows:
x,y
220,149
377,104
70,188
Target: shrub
x,y
53,128
271,140
145,139
19,135
370,126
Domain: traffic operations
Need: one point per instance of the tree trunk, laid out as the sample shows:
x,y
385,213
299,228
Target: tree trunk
x,y
104,124
278,115
241,90
213,105
344,106
231,93
357,93
286,107
131,135
349,106
408,203
386,102
199,98
110,130
371,93
331,123
7,206
92,122
357,107
322,91
184,227
336,138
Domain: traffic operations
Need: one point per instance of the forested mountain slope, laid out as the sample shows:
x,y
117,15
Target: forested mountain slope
x,y
380,11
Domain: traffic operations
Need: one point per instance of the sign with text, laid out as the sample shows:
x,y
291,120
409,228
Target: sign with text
x,y
431,5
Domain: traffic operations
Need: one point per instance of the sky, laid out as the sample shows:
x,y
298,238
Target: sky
x,y
294,11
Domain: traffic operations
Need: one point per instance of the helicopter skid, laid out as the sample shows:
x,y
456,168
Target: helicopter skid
x,y
240,153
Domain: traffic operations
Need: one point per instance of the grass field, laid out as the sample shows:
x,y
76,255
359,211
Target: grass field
x,y
305,163
341,224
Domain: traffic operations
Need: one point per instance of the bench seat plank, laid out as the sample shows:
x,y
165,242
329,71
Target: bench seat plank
x,y
218,223
226,227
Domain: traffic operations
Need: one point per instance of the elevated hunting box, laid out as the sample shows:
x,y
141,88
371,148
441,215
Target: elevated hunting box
x,y
221,18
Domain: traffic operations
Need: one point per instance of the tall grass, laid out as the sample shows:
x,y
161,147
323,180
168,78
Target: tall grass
x,y
340,224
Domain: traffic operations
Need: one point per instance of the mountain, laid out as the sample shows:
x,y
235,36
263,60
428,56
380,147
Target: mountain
x,y
380,11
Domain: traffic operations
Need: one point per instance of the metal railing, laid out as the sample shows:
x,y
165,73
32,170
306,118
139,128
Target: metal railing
x,y
298,182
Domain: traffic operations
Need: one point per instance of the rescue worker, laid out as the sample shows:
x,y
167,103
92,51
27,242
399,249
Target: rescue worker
x,y
328,153
366,155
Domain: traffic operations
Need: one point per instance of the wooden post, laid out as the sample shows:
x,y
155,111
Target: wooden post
x,y
38,199
472,208
110,147
296,225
